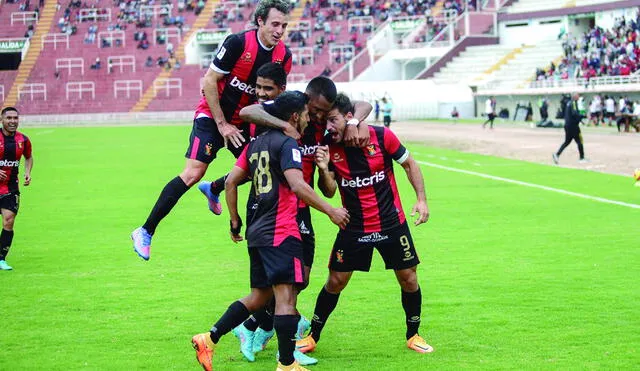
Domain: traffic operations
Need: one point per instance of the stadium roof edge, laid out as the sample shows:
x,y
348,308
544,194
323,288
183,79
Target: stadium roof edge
x,y
505,17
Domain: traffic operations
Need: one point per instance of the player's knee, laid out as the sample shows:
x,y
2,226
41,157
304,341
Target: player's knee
x,y
408,282
335,284
7,222
191,176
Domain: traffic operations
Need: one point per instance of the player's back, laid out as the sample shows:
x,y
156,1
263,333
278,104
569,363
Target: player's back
x,y
272,206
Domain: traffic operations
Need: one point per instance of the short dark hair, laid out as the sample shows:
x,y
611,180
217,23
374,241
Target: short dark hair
x,y
264,6
343,104
322,85
274,72
286,104
7,109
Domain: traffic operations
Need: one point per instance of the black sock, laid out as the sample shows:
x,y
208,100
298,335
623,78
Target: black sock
x,y
169,196
412,305
325,304
262,319
217,186
235,315
5,243
286,327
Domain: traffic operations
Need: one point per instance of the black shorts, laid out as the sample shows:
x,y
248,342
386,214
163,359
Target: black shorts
x,y
610,115
387,120
275,265
205,141
11,202
353,251
308,237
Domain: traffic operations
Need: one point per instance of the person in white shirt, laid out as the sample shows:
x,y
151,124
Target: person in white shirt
x,y
610,109
490,111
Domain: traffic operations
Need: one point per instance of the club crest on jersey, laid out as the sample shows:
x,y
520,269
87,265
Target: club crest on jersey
x,y
339,256
207,149
246,57
337,157
371,148
277,60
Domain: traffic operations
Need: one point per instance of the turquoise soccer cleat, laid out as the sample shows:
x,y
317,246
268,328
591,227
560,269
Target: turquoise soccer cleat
x,y
246,338
261,339
214,200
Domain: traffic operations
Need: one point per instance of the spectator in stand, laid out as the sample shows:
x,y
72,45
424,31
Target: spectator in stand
x,y
326,72
97,64
610,109
170,48
149,62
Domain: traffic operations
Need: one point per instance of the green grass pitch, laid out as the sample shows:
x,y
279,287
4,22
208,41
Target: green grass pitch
x,y
512,277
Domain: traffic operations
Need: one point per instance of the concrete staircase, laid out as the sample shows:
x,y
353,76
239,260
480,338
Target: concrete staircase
x,y
472,63
47,15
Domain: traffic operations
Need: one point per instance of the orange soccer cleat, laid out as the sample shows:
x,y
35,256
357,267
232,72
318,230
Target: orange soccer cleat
x,y
306,345
417,343
205,348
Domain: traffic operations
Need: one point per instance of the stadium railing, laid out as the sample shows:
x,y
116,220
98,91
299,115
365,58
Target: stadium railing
x,y
592,82
81,87
306,53
155,11
70,64
24,17
167,85
55,38
121,61
127,86
2,92
111,36
168,33
95,14
33,90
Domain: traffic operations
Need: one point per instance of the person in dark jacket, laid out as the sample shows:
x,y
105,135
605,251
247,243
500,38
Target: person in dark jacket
x,y
572,117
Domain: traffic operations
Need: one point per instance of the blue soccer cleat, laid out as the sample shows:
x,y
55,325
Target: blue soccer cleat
x,y
261,339
4,266
141,242
214,200
246,338
301,358
303,325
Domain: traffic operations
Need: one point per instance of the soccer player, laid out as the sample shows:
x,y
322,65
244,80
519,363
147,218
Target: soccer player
x,y
572,118
321,91
13,145
274,163
369,192
229,85
255,332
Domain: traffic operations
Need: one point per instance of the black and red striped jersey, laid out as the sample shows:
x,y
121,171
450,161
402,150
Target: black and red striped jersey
x,y
272,207
239,58
310,140
12,148
367,183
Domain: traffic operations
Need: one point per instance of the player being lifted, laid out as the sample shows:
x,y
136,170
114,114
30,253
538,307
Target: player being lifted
x,y
274,163
369,192
229,85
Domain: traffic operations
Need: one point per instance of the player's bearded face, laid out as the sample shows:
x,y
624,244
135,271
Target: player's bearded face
x,y
10,121
319,107
266,89
273,28
336,123
303,120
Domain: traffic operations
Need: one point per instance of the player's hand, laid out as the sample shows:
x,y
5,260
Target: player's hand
x,y
290,131
27,179
339,216
235,230
3,175
231,134
322,157
423,212
352,136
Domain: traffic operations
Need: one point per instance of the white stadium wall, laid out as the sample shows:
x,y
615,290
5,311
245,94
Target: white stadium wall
x,y
412,99
530,32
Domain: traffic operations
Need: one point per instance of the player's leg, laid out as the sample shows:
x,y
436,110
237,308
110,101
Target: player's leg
x,y
203,147
236,313
9,211
568,137
285,322
578,139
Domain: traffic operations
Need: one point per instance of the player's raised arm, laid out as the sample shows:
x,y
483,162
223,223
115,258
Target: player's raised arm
x,y
210,88
357,132
339,216
327,178
256,114
417,182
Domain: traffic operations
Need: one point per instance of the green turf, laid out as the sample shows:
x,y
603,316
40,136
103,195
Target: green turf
x,y
512,277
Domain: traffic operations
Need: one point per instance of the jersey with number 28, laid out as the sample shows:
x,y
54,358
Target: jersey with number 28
x,y
272,207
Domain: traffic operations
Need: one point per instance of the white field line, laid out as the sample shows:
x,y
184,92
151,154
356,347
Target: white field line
x,y
532,185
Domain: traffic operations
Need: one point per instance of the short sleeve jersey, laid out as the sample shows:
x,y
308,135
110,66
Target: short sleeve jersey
x,y
272,207
239,58
12,148
367,183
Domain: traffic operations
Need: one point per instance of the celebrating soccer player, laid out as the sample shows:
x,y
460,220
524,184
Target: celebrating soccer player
x,y
13,145
274,163
369,192
229,85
